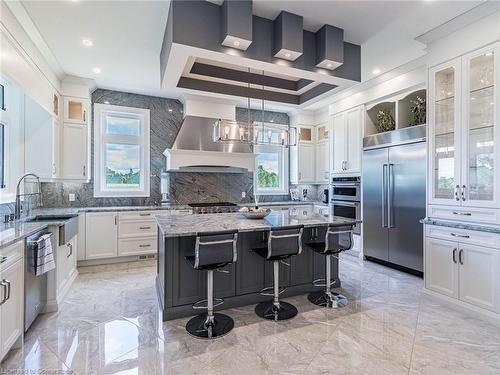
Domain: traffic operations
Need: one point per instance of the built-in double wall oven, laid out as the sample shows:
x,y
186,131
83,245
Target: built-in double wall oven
x,y
346,198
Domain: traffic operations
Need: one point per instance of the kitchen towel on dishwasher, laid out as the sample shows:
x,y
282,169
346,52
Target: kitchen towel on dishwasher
x,y
43,255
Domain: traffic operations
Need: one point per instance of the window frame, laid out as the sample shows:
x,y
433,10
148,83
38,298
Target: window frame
x,y
101,139
283,159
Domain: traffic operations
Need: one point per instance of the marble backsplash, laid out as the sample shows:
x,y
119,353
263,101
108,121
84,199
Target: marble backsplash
x,y
183,187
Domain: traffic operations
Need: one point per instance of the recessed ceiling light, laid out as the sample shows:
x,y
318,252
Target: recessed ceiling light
x,y
329,65
488,54
96,70
106,102
288,55
236,43
376,71
271,120
87,42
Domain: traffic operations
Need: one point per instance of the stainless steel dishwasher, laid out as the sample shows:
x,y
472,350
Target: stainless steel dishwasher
x,y
35,287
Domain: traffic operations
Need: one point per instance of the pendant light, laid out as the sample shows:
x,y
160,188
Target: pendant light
x,y
231,131
271,134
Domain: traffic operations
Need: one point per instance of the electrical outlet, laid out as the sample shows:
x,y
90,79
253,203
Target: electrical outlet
x,y
243,194
72,197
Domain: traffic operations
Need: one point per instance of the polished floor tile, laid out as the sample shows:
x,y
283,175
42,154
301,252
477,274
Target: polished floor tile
x,y
110,324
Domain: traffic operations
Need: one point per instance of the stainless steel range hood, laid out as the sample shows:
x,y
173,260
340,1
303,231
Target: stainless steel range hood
x,y
195,151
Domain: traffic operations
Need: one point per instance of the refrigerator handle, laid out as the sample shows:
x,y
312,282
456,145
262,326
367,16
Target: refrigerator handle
x,y
389,195
384,192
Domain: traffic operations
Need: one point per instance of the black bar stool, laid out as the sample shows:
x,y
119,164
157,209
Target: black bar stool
x,y
282,243
213,250
337,239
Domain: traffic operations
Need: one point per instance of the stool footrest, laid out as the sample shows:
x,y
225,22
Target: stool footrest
x,y
203,304
262,291
317,282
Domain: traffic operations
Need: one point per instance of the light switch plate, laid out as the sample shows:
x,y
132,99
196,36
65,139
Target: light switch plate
x,y
243,194
72,197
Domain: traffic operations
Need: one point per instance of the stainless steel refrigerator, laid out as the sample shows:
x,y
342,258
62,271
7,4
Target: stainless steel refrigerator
x,y
394,182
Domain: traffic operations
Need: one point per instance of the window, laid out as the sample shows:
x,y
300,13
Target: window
x,y
271,172
121,165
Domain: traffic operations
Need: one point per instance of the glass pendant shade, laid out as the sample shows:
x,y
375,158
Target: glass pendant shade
x,y
274,135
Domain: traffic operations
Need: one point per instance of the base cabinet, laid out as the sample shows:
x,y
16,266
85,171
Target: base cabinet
x,y
12,295
467,272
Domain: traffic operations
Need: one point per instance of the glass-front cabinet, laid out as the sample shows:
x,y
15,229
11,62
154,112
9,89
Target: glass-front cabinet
x,y
444,119
463,127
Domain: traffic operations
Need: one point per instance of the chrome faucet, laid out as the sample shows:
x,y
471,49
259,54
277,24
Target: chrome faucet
x,y
19,195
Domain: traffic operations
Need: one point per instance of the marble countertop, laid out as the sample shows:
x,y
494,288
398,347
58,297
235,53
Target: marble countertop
x,y
461,225
190,225
18,230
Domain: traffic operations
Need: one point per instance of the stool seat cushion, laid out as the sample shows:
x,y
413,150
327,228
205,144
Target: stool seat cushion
x,y
191,260
319,247
262,251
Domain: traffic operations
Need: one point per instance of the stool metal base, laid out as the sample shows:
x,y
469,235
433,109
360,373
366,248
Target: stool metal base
x,y
267,310
320,298
222,325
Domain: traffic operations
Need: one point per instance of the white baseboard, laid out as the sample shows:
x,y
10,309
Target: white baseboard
x,y
466,308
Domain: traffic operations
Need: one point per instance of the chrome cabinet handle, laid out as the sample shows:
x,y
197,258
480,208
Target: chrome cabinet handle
x,y
455,255
148,245
84,115
460,253
300,176
460,235
6,284
3,259
84,170
389,196
144,214
116,219
462,213
70,246
4,289
463,192
456,192
144,227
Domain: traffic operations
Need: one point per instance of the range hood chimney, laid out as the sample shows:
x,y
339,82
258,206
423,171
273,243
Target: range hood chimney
x,y
194,149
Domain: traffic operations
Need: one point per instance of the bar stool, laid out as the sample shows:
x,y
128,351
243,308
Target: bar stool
x,y
337,240
282,243
213,250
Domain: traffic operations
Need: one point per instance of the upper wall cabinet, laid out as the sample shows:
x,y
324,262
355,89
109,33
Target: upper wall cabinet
x,y
302,157
76,110
347,129
464,144
322,153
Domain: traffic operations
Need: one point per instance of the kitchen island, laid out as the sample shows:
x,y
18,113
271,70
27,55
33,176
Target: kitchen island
x,y
179,285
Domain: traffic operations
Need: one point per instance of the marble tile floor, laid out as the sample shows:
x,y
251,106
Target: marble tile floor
x,y
110,324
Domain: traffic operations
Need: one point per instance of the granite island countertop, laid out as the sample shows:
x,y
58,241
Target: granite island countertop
x,y
190,225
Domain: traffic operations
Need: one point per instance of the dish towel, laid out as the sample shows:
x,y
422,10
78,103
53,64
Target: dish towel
x,y
43,256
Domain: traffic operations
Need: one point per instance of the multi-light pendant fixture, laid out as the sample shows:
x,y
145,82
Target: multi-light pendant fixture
x,y
254,133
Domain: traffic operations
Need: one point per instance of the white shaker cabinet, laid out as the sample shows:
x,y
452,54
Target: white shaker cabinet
x,y
322,154
463,131
11,296
101,233
74,147
302,157
441,271
480,276
461,270
347,129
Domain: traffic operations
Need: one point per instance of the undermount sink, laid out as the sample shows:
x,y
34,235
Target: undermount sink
x,y
67,230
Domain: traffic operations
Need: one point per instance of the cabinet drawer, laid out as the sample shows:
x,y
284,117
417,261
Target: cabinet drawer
x,y
468,214
144,228
140,215
464,236
11,254
136,246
